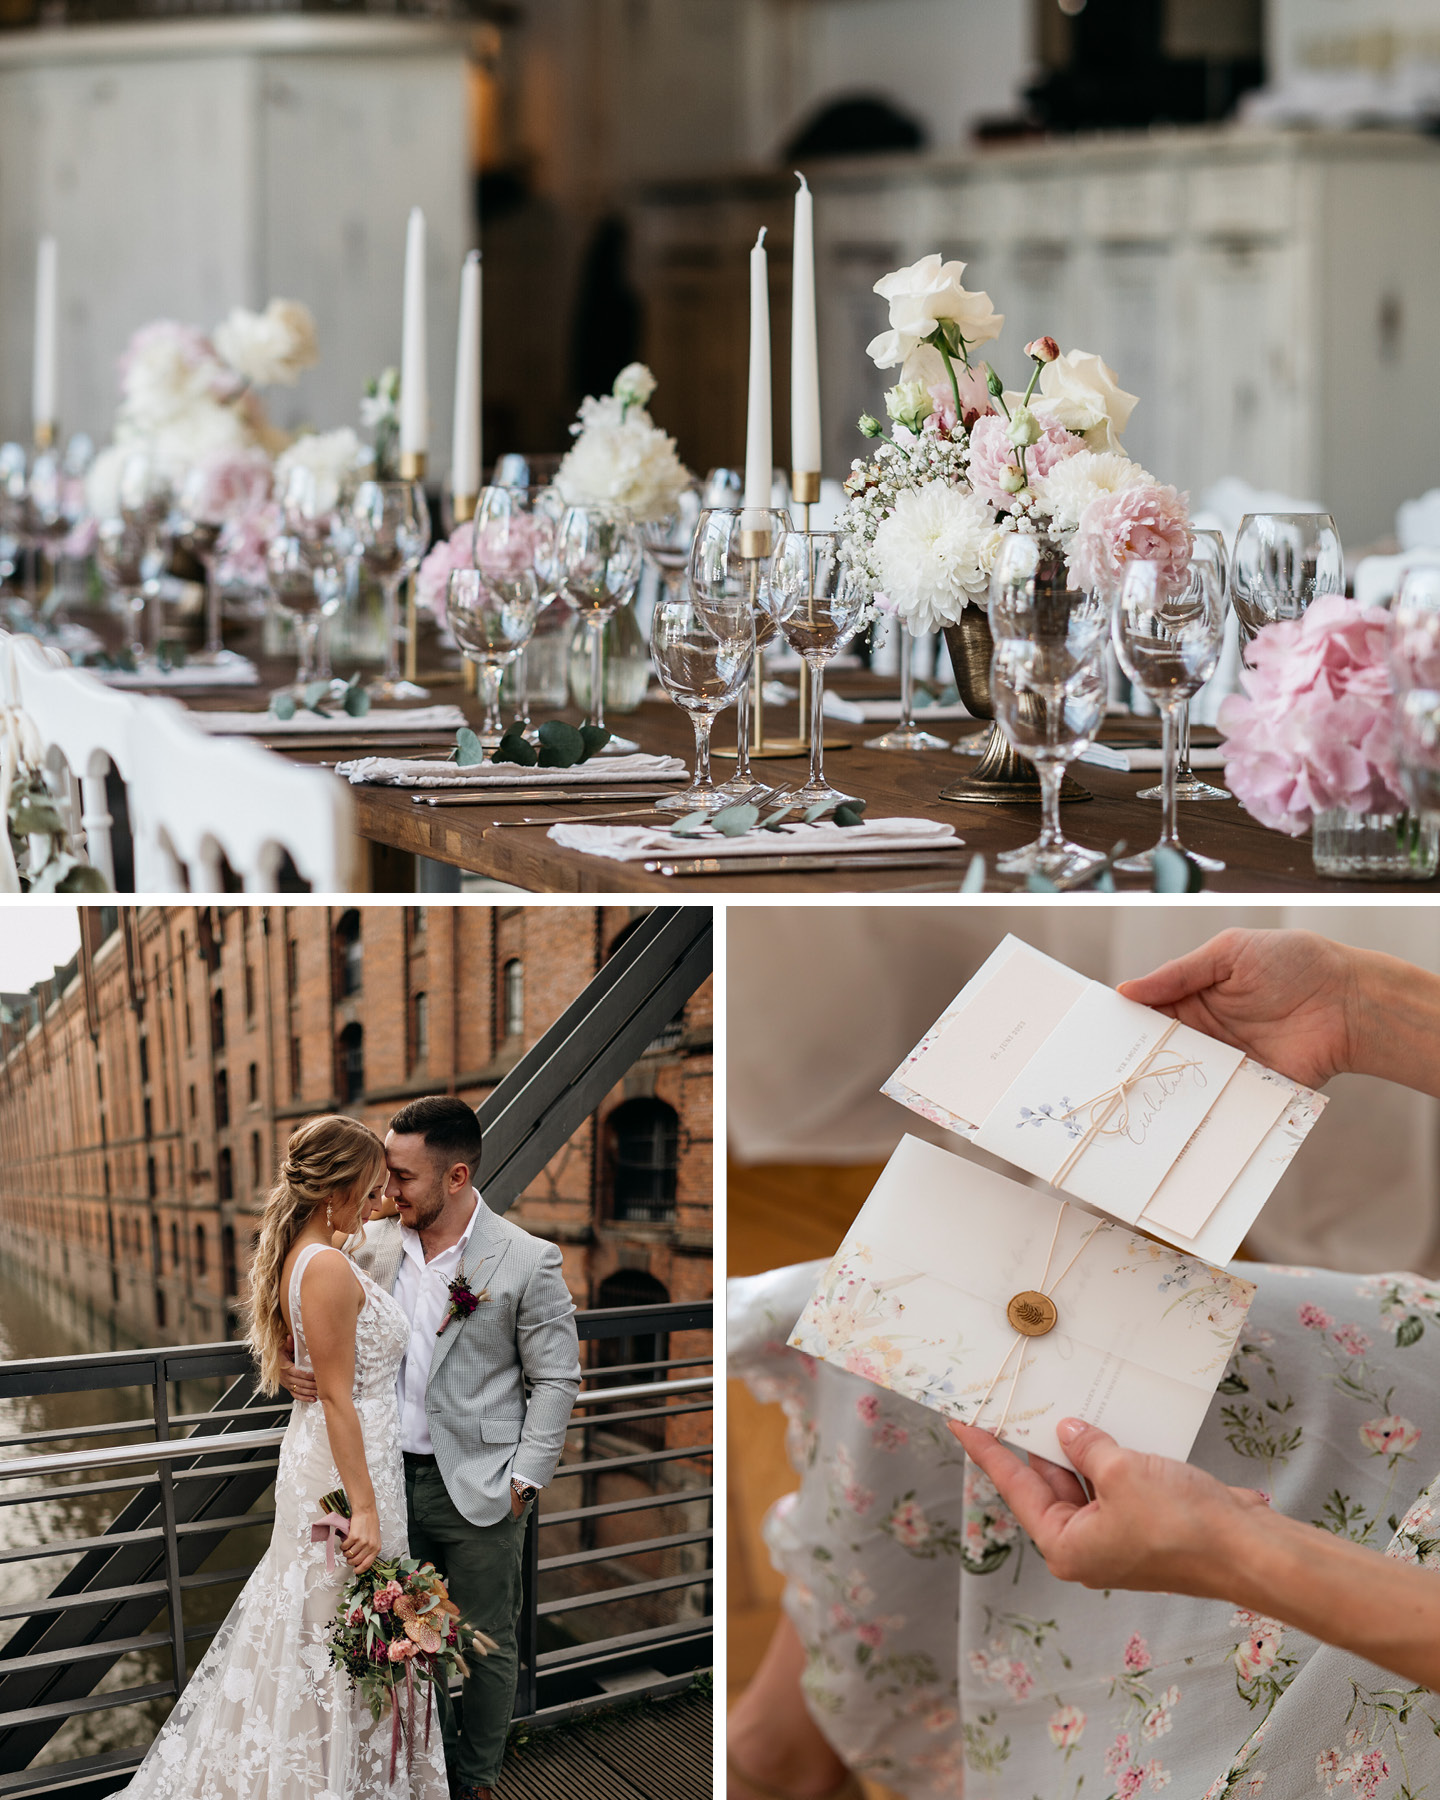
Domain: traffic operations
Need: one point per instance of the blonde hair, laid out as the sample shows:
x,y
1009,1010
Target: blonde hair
x,y
326,1158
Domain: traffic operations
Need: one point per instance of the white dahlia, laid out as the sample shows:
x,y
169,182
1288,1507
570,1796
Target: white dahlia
x,y
934,552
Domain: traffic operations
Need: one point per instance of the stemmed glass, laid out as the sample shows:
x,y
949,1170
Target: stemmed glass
x,y
1168,626
306,582
1282,562
818,598
722,579
1413,654
391,524
702,669
119,556
1208,545
907,735
491,614
314,506
597,555
195,526
667,541
512,517
145,498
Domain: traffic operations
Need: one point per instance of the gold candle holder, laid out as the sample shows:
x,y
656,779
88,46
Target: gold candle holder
x,y
805,488
45,434
462,507
412,465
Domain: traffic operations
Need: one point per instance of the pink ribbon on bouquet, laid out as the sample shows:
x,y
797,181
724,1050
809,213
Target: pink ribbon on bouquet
x,y
325,1530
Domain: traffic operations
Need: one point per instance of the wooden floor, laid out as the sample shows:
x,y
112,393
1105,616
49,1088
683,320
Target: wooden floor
x,y
777,1215
656,1750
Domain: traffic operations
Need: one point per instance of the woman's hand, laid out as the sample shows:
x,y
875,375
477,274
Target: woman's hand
x,y
297,1382
1154,1524
1291,999
362,1539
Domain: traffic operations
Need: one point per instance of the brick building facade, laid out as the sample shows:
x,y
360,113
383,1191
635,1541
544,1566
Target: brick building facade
x,y
147,1092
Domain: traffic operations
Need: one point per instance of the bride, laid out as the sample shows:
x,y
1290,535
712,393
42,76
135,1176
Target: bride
x,y
266,1715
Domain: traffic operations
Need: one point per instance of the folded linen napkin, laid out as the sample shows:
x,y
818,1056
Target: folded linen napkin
x,y
628,843
389,771
1138,758
887,712
188,675
309,724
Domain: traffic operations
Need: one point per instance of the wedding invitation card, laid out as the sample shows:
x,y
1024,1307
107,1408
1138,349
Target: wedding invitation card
x,y
1142,1118
1011,1308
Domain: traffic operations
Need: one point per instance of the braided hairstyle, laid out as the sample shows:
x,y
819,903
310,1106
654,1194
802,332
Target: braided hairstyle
x,y
327,1159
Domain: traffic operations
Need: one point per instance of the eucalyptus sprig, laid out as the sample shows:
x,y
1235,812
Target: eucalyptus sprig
x,y
561,746
354,701
737,821
40,842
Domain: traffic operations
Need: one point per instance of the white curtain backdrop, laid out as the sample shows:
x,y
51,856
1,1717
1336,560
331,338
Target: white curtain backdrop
x,y
824,1002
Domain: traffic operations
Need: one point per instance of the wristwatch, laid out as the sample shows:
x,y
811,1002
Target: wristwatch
x,y
525,1490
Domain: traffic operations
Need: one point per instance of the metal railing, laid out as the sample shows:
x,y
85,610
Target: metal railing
x,y
604,1612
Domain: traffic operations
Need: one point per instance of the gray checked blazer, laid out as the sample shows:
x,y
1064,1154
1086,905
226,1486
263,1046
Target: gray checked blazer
x,y
483,1432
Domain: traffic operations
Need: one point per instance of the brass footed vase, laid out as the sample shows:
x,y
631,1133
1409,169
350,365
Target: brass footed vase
x,y
1002,777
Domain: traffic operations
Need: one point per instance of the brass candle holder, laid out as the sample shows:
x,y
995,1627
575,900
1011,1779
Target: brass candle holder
x,y
45,434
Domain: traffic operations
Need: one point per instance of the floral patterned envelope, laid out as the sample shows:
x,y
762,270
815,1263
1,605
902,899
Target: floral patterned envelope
x,y
950,1268
1155,1124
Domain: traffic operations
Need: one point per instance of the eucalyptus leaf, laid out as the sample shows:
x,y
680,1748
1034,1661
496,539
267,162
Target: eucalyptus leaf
x,y
82,879
514,747
1172,872
35,816
356,701
851,813
735,821
561,745
974,882
690,826
469,750
812,813
1040,884
314,694
594,738
773,821
283,706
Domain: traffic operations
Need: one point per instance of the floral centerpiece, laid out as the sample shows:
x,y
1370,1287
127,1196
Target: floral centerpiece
x,y
396,1630
620,456
1310,743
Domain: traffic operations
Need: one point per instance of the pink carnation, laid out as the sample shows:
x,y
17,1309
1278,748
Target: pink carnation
x,y
433,577
991,453
1144,523
1317,728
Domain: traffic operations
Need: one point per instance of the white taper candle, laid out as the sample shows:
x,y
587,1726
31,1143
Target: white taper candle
x,y
42,392
414,374
804,340
759,457
465,437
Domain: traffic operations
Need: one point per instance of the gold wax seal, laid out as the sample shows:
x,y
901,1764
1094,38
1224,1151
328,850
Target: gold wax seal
x,y
1032,1314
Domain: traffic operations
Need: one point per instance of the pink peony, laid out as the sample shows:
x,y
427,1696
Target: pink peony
x,y
1317,729
243,543
227,484
433,577
992,453
1143,523
510,546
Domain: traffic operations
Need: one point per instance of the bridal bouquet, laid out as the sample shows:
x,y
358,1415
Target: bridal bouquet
x,y
396,1627
969,462
620,456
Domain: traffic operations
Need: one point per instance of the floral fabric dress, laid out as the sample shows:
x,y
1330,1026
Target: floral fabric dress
x,y
942,1657
266,1715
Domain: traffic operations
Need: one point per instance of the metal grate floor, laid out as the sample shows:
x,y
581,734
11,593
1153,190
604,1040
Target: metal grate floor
x,y
657,1750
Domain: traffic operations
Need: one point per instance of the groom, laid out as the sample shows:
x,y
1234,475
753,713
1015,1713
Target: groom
x,y
489,1311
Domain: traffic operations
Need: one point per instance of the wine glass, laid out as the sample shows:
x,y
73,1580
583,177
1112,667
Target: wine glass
x,y
722,578
1210,546
516,515
196,526
667,541
722,488
819,600
145,499
702,669
391,523
119,556
1050,706
1282,562
1168,626
907,735
491,614
305,582
598,557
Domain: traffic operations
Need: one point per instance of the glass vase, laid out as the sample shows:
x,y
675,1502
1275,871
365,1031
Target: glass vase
x,y
1375,846
627,664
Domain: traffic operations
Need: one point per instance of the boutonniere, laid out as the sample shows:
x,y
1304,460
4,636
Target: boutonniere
x,y
463,1301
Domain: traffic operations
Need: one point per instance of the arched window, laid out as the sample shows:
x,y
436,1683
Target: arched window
x,y
351,1064
225,1174
222,1099
255,1159
644,1153
350,951
217,1020
227,1258
513,993
174,1245
420,1030
633,1287
200,1250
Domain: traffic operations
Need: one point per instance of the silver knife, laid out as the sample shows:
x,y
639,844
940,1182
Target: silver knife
x,y
485,795
784,865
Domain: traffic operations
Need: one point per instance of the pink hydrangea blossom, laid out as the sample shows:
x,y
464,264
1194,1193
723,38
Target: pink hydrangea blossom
x,y
992,453
510,546
891,1437
432,579
1315,728
1144,523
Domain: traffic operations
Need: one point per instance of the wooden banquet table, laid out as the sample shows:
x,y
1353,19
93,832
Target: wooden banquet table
x,y
398,830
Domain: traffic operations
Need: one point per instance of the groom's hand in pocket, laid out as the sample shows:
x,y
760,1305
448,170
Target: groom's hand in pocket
x,y
299,1382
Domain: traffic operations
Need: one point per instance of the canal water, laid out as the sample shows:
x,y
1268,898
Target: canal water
x,y
39,1320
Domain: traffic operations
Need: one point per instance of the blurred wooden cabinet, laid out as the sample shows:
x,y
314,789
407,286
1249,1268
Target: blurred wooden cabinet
x,y
1274,299
191,166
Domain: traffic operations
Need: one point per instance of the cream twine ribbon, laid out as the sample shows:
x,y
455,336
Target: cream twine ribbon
x,y
1103,1105
1020,1337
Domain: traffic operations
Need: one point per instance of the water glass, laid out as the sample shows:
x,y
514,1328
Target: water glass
x,y
391,526
819,599
597,556
1168,626
1282,562
492,618
703,670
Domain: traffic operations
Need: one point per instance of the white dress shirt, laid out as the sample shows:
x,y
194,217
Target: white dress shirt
x,y
423,1289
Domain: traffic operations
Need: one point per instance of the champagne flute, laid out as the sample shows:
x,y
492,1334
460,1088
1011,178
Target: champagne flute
x,y
1168,626
818,598
391,524
598,557
492,617
702,670
1281,562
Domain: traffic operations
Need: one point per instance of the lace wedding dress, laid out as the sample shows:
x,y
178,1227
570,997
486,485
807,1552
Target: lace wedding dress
x,y
266,1715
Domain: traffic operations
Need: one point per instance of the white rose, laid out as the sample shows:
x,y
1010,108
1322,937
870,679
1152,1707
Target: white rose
x,y
269,349
920,297
1080,392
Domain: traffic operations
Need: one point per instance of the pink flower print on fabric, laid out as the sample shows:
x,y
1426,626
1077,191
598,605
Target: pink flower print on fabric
x,y
909,1525
1314,1318
1352,1340
868,1408
1066,1727
1137,1655
1389,1436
